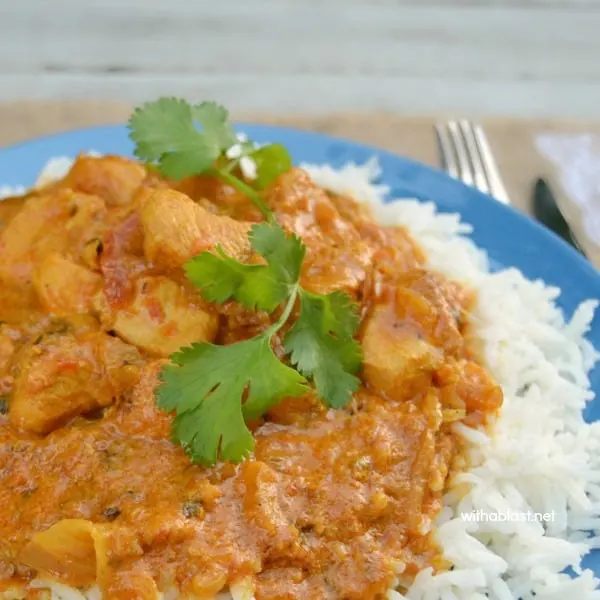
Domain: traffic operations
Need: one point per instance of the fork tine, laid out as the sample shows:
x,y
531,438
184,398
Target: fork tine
x,y
490,166
479,173
462,157
446,151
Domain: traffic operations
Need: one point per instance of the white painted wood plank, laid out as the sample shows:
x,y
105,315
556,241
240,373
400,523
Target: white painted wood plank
x,y
238,20
519,57
109,4
321,94
280,39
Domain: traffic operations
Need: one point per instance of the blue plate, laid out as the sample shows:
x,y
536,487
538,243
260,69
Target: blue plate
x,y
510,238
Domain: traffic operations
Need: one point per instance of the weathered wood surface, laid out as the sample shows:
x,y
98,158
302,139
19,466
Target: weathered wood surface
x,y
499,57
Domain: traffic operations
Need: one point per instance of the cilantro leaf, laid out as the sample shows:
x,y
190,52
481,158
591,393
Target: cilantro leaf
x,y
271,161
156,126
205,385
213,118
322,347
185,140
189,158
255,286
283,253
221,278
165,131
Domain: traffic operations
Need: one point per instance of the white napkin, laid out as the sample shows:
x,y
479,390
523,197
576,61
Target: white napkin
x,y
577,161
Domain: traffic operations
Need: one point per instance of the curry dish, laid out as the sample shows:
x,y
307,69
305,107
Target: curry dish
x,y
331,504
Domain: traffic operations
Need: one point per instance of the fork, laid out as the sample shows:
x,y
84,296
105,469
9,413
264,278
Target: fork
x,y
467,156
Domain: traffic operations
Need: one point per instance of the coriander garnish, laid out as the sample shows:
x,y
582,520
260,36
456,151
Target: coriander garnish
x,y
214,389
166,132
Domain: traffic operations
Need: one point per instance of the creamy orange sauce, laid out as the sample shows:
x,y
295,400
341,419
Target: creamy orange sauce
x,y
92,301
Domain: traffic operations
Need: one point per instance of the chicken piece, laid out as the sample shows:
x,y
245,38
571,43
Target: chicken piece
x,y
9,207
216,196
262,505
395,251
122,260
162,317
18,302
13,337
465,385
143,417
8,346
397,361
74,548
113,178
176,229
65,287
48,223
337,257
65,374
436,304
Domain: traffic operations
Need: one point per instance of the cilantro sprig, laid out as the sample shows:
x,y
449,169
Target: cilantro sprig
x,y
184,140
262,287
321,345
214,390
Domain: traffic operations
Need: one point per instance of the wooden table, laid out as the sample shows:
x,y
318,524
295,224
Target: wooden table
x,y
512,140
525,58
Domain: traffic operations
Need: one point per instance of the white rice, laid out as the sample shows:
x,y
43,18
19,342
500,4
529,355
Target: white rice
x,y
540,456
